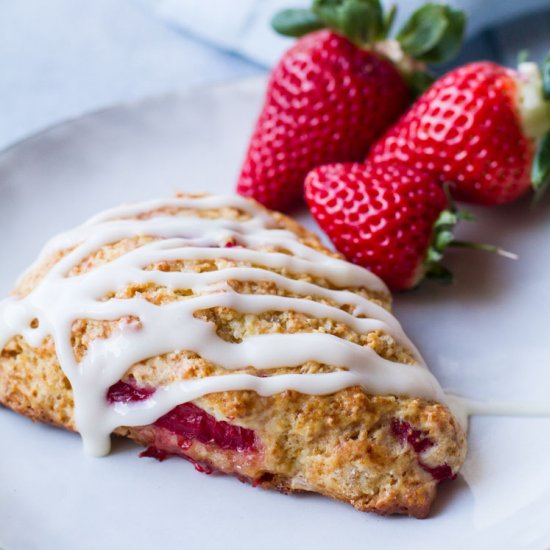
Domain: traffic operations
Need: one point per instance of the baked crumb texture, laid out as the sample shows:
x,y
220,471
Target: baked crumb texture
x,y
385,454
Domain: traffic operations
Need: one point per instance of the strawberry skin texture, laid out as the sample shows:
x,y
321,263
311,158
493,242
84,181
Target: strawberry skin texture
x,y
327,101
379,216
466,130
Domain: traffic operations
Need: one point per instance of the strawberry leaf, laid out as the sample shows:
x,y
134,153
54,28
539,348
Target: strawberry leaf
x,y
440,274
546,78
423,30
540,171
465,215
443,239
446,220
329,12
433,33
389,18
361,21
450,44
296,22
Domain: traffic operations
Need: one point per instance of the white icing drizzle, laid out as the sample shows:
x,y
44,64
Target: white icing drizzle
x,y
59,300
463,408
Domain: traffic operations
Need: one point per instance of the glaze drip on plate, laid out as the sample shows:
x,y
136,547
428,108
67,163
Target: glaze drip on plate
x,y
146,330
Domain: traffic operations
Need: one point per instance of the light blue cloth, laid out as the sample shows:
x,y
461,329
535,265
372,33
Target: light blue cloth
x,y
240,25
61,58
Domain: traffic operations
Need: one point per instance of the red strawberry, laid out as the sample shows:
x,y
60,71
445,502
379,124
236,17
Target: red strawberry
x,y
390,218
336,91
326,101
477,128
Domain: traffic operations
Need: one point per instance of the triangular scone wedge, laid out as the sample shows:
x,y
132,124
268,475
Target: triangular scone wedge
x,y
212,329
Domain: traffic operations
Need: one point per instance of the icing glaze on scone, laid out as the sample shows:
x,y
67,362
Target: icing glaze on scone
x,y
77,288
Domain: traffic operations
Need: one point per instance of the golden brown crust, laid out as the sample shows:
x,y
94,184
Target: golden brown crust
x,y
341,445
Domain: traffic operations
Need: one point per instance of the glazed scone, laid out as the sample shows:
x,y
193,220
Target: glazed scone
x,y
213,329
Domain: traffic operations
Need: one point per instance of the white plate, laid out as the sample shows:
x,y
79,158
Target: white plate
x,y
486,336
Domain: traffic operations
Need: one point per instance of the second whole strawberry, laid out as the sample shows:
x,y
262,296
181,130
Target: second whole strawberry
x,y
483,128
390,218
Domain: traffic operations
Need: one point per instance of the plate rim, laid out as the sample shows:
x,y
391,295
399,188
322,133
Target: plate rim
x,y
179,92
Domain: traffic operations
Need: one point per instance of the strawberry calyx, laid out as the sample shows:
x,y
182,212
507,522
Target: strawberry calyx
x,y
363,22
533,104
546,78
432,34
443,238
540,169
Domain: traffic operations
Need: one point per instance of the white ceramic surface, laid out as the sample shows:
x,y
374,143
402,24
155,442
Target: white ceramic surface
x,y
486,336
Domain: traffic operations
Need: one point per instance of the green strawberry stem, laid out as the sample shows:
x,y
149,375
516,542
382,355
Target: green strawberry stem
x,y
484,248
433,33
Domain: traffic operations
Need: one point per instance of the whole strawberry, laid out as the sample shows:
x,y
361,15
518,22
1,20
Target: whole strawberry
x,y
390,218
481,128
338,89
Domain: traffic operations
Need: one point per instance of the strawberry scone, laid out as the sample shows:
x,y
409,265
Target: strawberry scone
x,y
210,328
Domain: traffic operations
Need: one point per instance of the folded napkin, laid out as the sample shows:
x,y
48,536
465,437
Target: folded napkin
x,y
243,25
